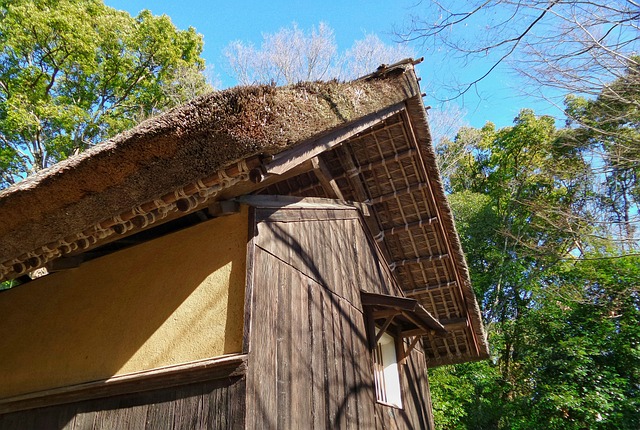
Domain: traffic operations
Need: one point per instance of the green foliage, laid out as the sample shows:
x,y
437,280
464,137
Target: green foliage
x,y
467,396
75,72
584,349
564,332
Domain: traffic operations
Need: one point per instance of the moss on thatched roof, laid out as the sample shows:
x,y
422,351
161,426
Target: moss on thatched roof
x,y
177,148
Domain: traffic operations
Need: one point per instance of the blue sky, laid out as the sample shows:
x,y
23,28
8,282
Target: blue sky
x,y
497,99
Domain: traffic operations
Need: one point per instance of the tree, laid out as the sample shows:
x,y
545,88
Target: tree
x,y
367,54
292,55
577,46
562,306
75,72
583,355
608,127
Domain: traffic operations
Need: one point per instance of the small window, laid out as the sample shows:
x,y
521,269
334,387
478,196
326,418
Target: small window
x,y
389,321
386,375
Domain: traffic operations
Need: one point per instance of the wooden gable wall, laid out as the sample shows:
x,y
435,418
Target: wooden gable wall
x,y
309,363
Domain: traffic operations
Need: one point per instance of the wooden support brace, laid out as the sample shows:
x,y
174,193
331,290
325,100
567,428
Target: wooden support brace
x,y
222,208
384,327
322,172
412,345
65,263
408,316
359,192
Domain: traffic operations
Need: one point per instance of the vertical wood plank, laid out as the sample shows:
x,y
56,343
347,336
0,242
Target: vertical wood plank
x,y
59,417
261,379
16,421
161,411
328,342
248,291
301,359
84,419
236,416
318,357
340,362
283,347
348,362
359,360
188,407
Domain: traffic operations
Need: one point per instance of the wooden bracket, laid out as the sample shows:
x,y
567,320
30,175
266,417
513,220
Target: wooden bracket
x,y
64,263
222,208
384,327
406,352
329,184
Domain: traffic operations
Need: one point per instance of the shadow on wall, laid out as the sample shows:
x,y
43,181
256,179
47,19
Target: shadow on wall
x,y
171,300
307,301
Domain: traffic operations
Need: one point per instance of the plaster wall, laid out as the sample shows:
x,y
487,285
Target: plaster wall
x,y
172,300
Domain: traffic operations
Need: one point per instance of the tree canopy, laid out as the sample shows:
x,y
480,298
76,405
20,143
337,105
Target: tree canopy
x,y
75,72
546,219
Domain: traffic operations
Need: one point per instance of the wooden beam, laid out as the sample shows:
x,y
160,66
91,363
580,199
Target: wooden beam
x,y
307,150
64,263
379,163
389,196
455,323
406,227
329,184
385,313
430,288
293,202
226,367
360,194
415,332
427,259
387,301
348,164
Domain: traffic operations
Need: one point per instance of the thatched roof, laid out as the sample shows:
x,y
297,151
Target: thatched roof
x,y
209,148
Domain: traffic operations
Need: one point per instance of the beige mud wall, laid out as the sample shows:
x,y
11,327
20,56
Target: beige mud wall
x,y
172,300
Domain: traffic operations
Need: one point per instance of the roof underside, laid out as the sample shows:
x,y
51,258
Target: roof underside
x,y
366,141
386,167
